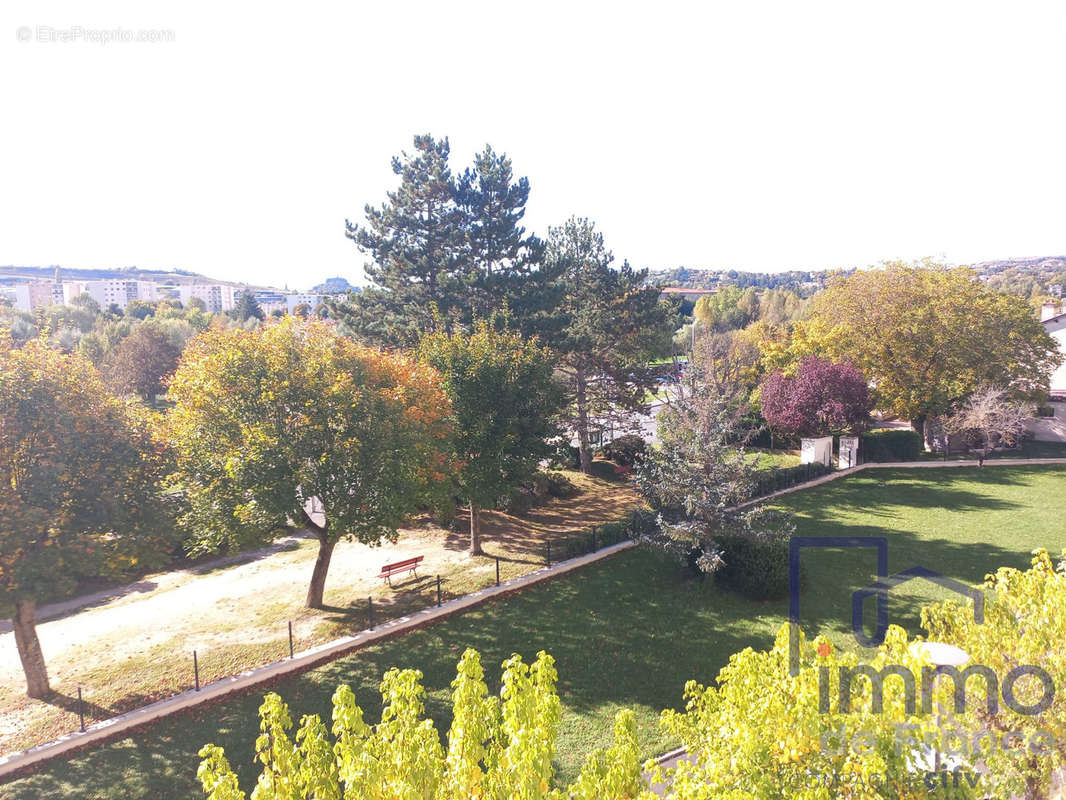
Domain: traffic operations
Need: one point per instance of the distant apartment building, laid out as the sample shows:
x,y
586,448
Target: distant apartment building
x,y
271,302
311,300
218,297
17,295
117,291
44,293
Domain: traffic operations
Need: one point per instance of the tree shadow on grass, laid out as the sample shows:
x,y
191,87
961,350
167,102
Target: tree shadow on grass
x,y
71,703
626,631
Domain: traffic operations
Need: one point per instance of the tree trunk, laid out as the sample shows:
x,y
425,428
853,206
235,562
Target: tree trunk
x,y
29,647
921,425
318,576
584,448
475,529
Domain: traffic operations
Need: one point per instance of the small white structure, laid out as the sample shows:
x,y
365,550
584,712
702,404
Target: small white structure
x,y
848,452
817,451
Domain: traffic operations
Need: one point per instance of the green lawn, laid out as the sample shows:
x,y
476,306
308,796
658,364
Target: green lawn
x,y
630,631
764,459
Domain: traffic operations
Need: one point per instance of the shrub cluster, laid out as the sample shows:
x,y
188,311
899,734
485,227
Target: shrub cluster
x,y
624,450
754,566
891,444
542,486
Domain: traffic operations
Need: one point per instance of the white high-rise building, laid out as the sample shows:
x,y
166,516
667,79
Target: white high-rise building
x,y
114,290
217,297
293,300
18,295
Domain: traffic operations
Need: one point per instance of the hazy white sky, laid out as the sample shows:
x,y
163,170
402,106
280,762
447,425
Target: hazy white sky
x,y
752,135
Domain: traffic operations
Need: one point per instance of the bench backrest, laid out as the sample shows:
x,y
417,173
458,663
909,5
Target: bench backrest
x,y
401,564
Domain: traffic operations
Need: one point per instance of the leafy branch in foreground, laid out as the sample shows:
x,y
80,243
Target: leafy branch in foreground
x,y
498,746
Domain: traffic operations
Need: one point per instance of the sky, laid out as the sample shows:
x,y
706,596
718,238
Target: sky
x,y
754,135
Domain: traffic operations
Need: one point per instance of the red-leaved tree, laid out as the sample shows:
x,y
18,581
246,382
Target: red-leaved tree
x,y
822,397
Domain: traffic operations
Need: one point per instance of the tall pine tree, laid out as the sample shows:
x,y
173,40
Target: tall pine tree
x,y
446,249
613,324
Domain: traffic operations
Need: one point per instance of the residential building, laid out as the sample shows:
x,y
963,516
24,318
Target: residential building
x,y
117,291
293,300
1053,316
44,293
218,297
271,302
18,295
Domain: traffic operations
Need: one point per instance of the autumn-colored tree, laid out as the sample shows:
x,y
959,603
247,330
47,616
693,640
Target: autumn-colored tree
x,y
270,420
143,362
498,747
505,405
821,398
927,336
80,496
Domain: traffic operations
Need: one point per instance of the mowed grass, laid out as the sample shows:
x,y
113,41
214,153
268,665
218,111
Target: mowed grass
x,y
133,658
629,632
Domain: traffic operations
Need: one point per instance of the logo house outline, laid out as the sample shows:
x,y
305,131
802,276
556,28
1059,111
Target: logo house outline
x,y
879,588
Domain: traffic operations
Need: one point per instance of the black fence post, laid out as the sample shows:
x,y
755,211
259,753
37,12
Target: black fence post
x,y
370,612
81,710
438,591
290,639
548,559
196,669
497,572
593,540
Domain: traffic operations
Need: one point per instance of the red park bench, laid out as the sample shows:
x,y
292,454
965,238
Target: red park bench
x,y
408,565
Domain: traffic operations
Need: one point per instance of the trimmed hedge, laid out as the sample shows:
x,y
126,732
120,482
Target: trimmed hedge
x,y
754,566
892,444
772,480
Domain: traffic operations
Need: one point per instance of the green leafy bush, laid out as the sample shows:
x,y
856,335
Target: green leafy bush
x,y
624,450
891,444
565,456
517,502
642,522
561,486
755,566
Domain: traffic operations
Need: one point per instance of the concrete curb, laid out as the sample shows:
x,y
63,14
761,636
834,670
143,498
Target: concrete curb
x,y
832,476
300,662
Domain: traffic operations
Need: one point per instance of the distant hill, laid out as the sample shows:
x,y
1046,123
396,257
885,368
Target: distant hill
x,y
804,282
1028,277
101,273
1038,264
333,286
